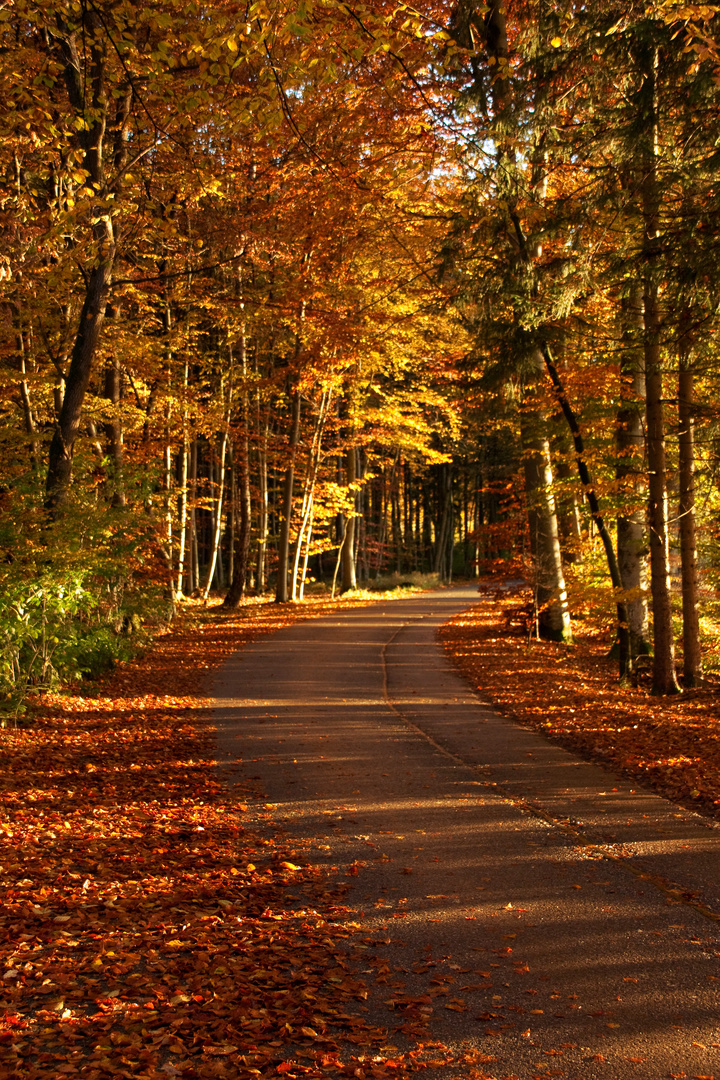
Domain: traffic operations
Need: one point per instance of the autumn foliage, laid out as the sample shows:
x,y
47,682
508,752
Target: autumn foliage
x,y
570,694
147,929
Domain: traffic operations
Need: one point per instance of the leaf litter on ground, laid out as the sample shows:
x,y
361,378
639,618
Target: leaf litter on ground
x,y
572,694
146,930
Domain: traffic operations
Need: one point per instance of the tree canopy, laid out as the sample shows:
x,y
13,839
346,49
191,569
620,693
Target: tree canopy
x,y
334,290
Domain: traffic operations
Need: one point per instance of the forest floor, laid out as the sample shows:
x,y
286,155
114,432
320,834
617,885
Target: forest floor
x,y
130,877
572,694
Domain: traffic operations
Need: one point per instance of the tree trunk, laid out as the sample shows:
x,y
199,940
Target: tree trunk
x,y
262,501
630,443
551,595
308,539
113,428
281,589
597,518
194,560
90,324
22,343
241,558
664,675
85,80
241,548
349,579
183,509
692,662
306,512
217,518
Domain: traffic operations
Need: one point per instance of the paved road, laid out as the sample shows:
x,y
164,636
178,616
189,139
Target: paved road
x,y
565,917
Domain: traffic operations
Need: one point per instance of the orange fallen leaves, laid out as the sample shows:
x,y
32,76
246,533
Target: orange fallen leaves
x,y
573,694
145,931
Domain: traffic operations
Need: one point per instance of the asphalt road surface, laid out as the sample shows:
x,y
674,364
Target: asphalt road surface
x,y
559,920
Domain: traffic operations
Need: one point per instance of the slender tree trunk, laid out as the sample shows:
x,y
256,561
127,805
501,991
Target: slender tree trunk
x,y
194,565
281,589
217,518
306,512
477,521
552,604
302,543
241,548
90,324
308,539
597,518
167,483
183,509
21,341
86,83
692,661
349,578
241,556
263,500
441,520
232,513
630,442
113,428
664,675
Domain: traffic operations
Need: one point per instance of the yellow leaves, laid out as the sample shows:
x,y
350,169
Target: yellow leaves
x,y
556,42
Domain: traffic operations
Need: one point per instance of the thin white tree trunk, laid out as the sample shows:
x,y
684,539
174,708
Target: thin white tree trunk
x,y
218,514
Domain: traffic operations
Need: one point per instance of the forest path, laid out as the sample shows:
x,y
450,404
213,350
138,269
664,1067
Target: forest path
x,y
557,921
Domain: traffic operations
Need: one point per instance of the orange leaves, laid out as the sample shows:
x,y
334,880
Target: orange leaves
x,y
575,694
140,915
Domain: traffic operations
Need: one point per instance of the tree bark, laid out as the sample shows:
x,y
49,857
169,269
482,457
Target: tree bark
x,y
349,578
241,548
596,516
183,509
87,92
92,318
218,518
692,658
113,429
630,444
664,674
551,595
21,340
263,504
281,588
241,558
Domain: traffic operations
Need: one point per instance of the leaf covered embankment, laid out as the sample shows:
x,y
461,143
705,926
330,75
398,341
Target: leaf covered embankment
x,y
571,693
145,931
